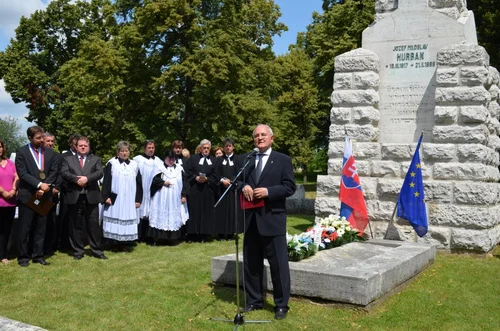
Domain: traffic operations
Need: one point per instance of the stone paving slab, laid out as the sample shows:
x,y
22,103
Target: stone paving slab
x,y
7,324
356,273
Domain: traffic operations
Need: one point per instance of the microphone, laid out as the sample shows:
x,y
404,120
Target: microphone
x,y
252,153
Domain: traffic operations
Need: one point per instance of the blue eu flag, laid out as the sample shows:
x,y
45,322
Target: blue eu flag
x,y
411,205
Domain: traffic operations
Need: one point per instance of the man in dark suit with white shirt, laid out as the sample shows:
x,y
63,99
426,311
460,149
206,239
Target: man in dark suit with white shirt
x,y
81,172
37,167
269,177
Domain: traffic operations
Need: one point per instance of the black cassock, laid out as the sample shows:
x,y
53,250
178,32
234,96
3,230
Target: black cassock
x,y
201,196
225,212
182,161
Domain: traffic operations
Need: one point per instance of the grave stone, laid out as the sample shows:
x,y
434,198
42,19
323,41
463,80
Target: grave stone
x,y
420,70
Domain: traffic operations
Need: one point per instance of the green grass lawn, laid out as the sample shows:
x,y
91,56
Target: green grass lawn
x,y
169,288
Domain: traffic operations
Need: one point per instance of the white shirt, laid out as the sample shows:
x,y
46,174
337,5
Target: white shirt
x,y
264,158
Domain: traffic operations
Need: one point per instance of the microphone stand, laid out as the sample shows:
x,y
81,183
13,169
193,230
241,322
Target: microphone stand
x,y
239,318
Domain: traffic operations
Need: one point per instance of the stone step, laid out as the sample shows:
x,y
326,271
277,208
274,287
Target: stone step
x,y
356,273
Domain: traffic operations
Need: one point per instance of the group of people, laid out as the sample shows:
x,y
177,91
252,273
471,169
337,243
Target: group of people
x,y
150,198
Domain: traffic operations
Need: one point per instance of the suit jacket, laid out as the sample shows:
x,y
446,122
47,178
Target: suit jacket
x,y
277,176
29,174
59,181
70,171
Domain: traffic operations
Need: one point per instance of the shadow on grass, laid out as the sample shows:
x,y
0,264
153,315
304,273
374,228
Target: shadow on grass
x,y
227,293
496,252
119,247
300,223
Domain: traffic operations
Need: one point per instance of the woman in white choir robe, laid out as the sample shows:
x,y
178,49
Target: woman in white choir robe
x,y
168,211
122,195
148,164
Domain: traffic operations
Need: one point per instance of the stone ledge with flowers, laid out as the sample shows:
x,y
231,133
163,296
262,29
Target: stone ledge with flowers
x,y
329,232
356,273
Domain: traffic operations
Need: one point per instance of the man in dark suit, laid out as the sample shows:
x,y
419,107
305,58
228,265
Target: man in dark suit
x,y
51,235
37,167
81,173
62,224
270,178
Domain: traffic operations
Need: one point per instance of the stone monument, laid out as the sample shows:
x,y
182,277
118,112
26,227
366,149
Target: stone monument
x,y
420,70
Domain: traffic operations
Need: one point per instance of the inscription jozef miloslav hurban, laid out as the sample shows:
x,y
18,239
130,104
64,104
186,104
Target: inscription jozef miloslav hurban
x,y
407,46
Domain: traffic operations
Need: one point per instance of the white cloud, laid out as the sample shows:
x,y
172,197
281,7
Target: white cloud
x,y
11,12
9,108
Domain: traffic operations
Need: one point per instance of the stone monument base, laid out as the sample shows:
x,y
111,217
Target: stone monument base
x,y
7,324
356,273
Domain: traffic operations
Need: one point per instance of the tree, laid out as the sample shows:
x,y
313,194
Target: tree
x,y
44,42
297,103
163,70
95,84
487,15
336,31
10,133
214,64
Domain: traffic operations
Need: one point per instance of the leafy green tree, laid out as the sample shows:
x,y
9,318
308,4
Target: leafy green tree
x,y
44,42
10,133
297,104
95,84
214,64
487,15
164,70
334,32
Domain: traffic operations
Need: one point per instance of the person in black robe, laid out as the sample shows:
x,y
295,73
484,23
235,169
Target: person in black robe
x,y
225,212
177,147
203,182
181,160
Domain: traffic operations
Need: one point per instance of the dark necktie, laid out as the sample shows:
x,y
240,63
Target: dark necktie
x,y
81,161
260,166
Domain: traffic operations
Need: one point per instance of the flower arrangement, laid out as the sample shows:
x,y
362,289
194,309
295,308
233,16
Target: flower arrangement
x,y
335,231
300,246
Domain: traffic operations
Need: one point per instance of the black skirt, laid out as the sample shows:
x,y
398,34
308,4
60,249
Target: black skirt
x,y
163,235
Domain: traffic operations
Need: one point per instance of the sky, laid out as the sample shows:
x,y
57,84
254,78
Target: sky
x,y
296,14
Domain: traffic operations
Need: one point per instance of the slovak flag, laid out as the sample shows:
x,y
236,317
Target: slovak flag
x,y
353,206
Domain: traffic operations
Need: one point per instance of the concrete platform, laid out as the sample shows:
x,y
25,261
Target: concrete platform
x,y
356,273
7,324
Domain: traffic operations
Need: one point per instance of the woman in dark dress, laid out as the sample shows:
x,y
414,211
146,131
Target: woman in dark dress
x,y
225,213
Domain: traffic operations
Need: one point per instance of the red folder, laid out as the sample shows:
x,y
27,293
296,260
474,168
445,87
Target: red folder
x,y
255,203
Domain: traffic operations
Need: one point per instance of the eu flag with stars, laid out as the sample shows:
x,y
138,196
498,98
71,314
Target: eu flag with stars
x,y
411,204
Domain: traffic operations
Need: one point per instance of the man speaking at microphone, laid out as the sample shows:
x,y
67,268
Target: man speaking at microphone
x,y
269,179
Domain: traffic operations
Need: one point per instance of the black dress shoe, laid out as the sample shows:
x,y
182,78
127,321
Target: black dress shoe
x,y
280,313
102,257
41,261
78,257
250,308
24,264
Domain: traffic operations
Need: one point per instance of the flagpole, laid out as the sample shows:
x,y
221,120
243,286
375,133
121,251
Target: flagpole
x,y
396,206
391,221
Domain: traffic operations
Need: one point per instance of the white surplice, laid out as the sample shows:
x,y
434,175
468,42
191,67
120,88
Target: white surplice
x,y
149,168
120,219
167,213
